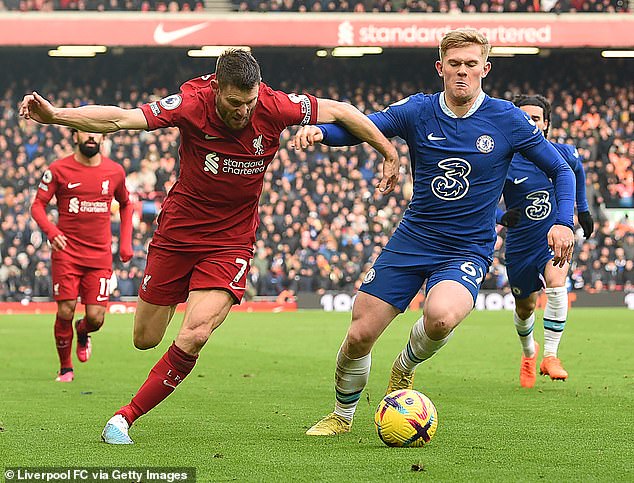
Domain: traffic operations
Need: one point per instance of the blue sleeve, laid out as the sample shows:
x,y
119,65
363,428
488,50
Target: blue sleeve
x,y
576,163
499,212
530,142
391,122
548,159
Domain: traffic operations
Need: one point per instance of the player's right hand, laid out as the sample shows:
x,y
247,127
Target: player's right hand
x,y
58,242
561,241
307,136
390,172
511,218
35,107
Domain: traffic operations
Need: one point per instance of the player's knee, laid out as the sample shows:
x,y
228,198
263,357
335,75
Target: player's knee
x,y
95,321
145,340
360,338
439,325
525,309
66,312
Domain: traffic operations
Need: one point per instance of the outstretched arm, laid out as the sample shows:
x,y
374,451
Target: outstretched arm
x,y
86,118
363,129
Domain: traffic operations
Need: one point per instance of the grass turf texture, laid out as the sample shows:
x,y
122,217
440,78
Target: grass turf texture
x,y
263,379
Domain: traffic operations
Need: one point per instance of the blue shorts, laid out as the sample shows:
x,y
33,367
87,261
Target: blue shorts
x,y
526,271
396,278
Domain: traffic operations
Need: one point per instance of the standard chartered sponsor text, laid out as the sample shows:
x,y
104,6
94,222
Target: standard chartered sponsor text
x,y
93,207
415,34
243,167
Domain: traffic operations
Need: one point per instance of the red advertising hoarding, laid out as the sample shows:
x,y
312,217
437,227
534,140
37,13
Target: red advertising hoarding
x,y
311,30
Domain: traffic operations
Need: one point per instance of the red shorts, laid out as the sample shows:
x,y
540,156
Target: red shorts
x,y
170,276
71,280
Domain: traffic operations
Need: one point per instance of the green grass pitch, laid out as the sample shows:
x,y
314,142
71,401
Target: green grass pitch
x,y
263,379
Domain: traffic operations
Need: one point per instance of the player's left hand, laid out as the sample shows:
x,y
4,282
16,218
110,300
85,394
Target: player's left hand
x,y
586,222
306,136
561,241
125,254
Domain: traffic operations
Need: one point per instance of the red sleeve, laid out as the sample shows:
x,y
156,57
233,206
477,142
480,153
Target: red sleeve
x,y
172,110
125,213
45,192
295,109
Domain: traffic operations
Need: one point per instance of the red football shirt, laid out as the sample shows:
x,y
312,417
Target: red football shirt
x,y
215,200
84,195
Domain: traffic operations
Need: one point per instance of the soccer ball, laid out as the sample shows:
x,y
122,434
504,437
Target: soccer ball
x,y
406,418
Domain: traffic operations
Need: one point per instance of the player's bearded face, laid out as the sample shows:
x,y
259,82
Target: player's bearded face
x,y
235,107
89,144
462,70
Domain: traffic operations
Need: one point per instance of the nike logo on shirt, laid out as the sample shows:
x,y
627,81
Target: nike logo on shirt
x,y
73,185
431,137
521,180
162,37
211,138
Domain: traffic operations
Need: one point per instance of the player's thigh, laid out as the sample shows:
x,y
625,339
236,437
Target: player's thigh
x,y
94,287
395,278
151,321
556,276
66,279
451,290
206,311
447,303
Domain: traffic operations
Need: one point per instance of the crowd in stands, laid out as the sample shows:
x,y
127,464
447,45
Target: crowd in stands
x,y
322,222
434,6
354,6
103,5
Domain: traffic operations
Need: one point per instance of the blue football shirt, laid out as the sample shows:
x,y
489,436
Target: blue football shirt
x,y
530,190
459,165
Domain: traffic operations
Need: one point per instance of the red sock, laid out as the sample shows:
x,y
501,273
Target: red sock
x,y
168,373
64,341
84,328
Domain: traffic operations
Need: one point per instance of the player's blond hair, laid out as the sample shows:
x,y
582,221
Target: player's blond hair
x,y
462,38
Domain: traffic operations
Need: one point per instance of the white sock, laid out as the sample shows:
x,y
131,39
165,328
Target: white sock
x,y
351,377
524,330
555,315
419,348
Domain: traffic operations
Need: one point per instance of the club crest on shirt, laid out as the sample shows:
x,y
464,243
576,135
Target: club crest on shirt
x,y
170,103
257,145
105,185
485,144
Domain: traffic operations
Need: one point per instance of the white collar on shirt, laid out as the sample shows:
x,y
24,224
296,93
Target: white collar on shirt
x,y
478,102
